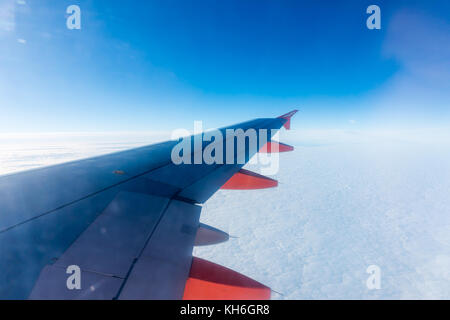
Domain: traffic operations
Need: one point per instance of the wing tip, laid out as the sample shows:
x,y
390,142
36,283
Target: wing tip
x,y
287,117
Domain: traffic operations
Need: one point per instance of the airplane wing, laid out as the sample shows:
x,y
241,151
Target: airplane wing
x,y
123,225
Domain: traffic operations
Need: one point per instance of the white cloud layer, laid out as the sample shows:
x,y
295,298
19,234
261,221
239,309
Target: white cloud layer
x,y
7,16
340,208
346,200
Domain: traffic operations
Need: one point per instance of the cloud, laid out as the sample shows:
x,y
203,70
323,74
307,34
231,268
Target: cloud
x,y
419,94
421,44
7,16
22,41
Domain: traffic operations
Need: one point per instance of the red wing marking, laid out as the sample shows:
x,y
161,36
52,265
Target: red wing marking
x,y
210,281
247,180
275,147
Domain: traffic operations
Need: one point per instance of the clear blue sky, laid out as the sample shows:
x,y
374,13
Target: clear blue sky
x,y
155,65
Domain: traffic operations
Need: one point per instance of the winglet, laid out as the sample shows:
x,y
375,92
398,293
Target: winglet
x,y
288,117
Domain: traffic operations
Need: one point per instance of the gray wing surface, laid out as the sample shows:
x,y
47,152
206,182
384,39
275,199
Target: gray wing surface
x,y
128,220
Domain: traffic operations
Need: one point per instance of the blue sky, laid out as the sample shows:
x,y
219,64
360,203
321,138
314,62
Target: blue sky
x,y
159,65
